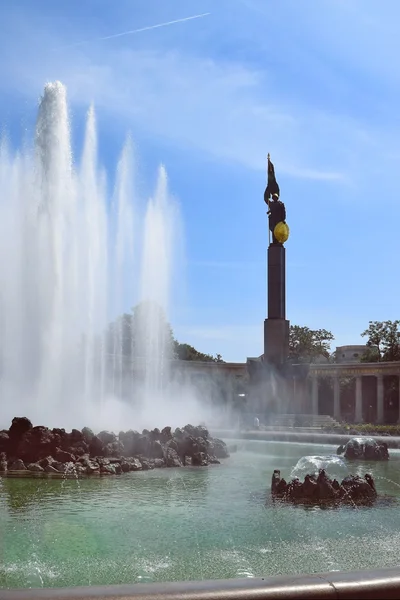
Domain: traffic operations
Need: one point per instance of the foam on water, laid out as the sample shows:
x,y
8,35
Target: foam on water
x,y
333,465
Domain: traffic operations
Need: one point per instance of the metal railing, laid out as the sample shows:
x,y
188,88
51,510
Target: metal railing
x,y
376,584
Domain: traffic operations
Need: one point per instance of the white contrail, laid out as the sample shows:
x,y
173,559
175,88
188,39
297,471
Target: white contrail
x,y
115,35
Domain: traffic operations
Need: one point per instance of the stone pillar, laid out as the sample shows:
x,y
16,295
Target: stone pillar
x,y
314,395
399,400
380,399
276,327
337,413
358,412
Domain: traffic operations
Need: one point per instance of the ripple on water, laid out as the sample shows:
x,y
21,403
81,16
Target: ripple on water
x,y
188,524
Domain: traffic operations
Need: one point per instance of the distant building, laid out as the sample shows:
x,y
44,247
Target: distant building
x,y
350,354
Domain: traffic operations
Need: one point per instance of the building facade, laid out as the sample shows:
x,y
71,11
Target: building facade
x,y
353,392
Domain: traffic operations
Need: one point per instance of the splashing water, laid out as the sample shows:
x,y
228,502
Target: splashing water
x,y
311,465
72,261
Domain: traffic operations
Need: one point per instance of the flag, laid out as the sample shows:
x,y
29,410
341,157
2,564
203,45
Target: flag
x,y
272,185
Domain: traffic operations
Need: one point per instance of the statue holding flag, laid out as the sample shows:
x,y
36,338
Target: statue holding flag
x,y
276,208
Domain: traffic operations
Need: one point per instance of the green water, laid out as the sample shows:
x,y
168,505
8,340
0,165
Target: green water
x,y
177,524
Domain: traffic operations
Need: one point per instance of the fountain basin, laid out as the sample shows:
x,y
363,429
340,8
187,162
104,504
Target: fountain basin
x,y
189,524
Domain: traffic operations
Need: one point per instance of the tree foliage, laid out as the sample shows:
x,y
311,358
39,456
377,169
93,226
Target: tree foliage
x,y
187,352
383,341
306,345
134,334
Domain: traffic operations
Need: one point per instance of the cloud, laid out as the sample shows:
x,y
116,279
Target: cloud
x,y
222,104
216,107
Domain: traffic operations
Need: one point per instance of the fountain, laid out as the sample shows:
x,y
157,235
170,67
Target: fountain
x,y
73,259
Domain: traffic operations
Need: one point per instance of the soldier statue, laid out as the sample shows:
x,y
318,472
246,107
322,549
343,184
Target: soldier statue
x,y
276,208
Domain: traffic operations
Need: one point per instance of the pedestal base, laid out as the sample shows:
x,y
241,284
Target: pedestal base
x,y
276,341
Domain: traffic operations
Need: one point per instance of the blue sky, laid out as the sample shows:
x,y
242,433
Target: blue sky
x,y
315,83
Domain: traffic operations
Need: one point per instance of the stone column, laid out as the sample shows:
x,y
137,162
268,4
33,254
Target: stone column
x,y
358,412
337,414
380,399
399,400
314,395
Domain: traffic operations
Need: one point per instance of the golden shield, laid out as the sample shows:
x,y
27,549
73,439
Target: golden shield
x,y
281,232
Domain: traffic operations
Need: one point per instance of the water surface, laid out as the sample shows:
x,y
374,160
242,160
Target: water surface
x,y
200,523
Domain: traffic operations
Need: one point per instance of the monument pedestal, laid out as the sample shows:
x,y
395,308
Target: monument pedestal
x,y
276,327
276,341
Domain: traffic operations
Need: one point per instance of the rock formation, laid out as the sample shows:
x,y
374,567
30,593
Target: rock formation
x,y
43,450
364,448
352,490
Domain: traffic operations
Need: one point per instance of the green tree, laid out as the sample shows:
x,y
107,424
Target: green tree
x,y
187,352
134,334
305,344
383,342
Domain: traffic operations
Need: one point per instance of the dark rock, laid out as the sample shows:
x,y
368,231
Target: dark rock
x,y
364,448
155,434
118,468
19,426
320,490
220,449
128,439
108,470
173,444
50,469
35,468
135,464
199,459
107,437
87,434
83,452
35,444
196,432
96,446
112,449
166,434
143,445
63,457
92,467
48,460
79,470
18,465
4,441
79,449
172,459
157,450
146,463
3,462
60,467
77,436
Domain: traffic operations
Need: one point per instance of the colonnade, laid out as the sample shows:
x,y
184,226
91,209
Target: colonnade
x,y
358,413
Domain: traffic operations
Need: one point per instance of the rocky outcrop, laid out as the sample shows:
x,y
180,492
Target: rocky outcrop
x,y
39,449
321,489
364,448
